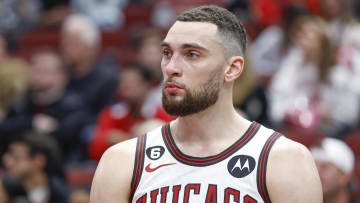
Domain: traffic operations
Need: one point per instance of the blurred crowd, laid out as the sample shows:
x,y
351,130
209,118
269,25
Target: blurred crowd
x,y
78,76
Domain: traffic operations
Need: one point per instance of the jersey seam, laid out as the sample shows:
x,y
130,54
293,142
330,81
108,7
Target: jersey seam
x,y
138,164
262,165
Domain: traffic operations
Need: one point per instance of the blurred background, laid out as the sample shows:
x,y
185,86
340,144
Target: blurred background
x,y
77,76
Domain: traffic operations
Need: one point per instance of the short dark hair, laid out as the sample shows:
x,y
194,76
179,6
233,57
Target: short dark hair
x,y
142,69
44,145
229,27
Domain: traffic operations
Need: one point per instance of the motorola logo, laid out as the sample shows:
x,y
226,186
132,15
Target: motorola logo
x,y
241,165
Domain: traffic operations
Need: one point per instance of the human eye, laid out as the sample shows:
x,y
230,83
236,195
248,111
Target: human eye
x,y
193,54
166,53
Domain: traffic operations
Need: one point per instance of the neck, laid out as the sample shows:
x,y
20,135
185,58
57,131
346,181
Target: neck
x,y
48,96
83,67
35,181
341,196
211,131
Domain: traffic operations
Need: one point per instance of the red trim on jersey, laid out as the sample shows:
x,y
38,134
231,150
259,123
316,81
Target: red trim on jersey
x,y
261,171
205,161
138,164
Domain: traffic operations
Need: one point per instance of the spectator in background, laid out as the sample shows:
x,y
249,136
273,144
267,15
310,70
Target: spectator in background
x,y
13,83
335,162
47,108
34,160
149,54
341,22
13,79
17,17
304,71
344,31
249,96
12,190
93,82
5,57
119,121
273,43
305,91
108,15
54,12
79,196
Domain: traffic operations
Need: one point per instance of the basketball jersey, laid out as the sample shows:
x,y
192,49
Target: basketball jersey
x,y
163,174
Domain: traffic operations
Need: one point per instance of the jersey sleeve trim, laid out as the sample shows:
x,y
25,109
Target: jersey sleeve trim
x,y
261,171
138,164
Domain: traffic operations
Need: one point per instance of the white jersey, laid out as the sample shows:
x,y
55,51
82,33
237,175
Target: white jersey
x,y
163,174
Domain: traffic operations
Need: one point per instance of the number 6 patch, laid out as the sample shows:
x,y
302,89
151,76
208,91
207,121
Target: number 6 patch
x,y
154,153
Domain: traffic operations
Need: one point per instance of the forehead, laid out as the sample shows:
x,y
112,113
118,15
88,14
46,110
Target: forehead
x,y
47,61
18,147
201,33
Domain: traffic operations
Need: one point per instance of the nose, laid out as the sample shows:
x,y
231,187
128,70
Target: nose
x,y
172,67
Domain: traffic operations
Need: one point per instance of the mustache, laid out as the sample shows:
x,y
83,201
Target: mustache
x,y
172,81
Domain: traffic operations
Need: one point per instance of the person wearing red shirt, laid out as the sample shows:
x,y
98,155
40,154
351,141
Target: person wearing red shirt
x,y
129,116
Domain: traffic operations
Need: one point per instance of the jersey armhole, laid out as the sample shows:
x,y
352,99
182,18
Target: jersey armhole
x,y
261,170
138,164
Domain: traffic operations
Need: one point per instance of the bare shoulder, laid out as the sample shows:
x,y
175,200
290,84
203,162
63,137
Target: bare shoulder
x,y
113,175
285,147
291,173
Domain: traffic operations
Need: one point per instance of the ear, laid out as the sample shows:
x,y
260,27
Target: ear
x,y
235,68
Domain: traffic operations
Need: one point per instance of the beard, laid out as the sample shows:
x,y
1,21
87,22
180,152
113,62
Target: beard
x,y
194,101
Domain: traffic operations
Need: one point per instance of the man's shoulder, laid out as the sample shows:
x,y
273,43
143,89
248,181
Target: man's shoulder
x,y
114,173
126,148
291,174
289,148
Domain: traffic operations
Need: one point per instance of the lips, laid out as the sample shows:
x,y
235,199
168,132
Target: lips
x,y
172,87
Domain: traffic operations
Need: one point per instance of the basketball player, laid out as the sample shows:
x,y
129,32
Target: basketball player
x,y
209,153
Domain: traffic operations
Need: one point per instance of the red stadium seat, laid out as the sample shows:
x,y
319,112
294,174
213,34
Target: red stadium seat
x,y
37,38
49,37
80,176
137,14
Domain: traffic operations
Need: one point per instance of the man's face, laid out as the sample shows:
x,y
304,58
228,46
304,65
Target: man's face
x,y
192,64
308,38
333,8
73,48
149,54
17,160
332,179
132,86
46,72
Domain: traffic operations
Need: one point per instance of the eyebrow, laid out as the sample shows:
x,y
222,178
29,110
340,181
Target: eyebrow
x,y
186,46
